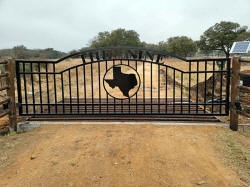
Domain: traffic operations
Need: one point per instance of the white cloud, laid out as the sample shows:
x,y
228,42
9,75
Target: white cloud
x,y
70,24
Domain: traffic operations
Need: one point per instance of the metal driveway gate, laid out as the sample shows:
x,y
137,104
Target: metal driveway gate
x,y
119,81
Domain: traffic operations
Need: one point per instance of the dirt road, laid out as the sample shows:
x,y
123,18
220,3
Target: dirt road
x,y
117,155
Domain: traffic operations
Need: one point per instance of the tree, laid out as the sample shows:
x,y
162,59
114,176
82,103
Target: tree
x,y
222,35
74,51
180,45
244,36
163,46
118,37
84,48
51,53
150,46
21,52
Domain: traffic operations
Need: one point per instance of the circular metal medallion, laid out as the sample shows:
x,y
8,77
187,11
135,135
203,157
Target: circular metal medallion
x,y
121,81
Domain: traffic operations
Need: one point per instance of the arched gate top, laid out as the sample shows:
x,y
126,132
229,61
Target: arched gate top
x,y
122,52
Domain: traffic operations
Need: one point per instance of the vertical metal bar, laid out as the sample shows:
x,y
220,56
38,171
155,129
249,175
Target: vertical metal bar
x,y
159,92
197,87
91,57
189,87
99,79
221,85
166,91
77,90
174,92
110,55
32,87
70,93
40,88
19,86
205,90
97,56
114,98
62,93
25,89
181,92
136,95
143,69
158,58
121,100
213,88
47,81
140,54
84,85
129,98
54,70
228,86
151,87
92,86
103,55
107,98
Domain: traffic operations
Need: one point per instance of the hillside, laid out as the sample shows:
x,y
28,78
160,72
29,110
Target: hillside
x,y
21,52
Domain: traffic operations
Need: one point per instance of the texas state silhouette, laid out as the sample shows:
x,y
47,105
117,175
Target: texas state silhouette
x,y
125,82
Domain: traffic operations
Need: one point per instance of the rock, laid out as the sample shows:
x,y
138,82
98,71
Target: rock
x,y
4,131
32,157
201,182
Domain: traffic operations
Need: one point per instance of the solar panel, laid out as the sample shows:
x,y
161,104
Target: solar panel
x,y
240,47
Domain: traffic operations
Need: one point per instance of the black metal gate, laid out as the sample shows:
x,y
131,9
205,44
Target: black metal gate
x,y
123,81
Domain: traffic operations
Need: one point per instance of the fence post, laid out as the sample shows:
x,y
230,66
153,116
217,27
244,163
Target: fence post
x,y
234,93
11,94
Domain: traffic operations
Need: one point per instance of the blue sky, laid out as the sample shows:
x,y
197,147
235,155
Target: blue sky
x,y
70,24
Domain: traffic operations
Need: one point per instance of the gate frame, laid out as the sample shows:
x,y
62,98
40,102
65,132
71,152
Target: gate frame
x,y
159,55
